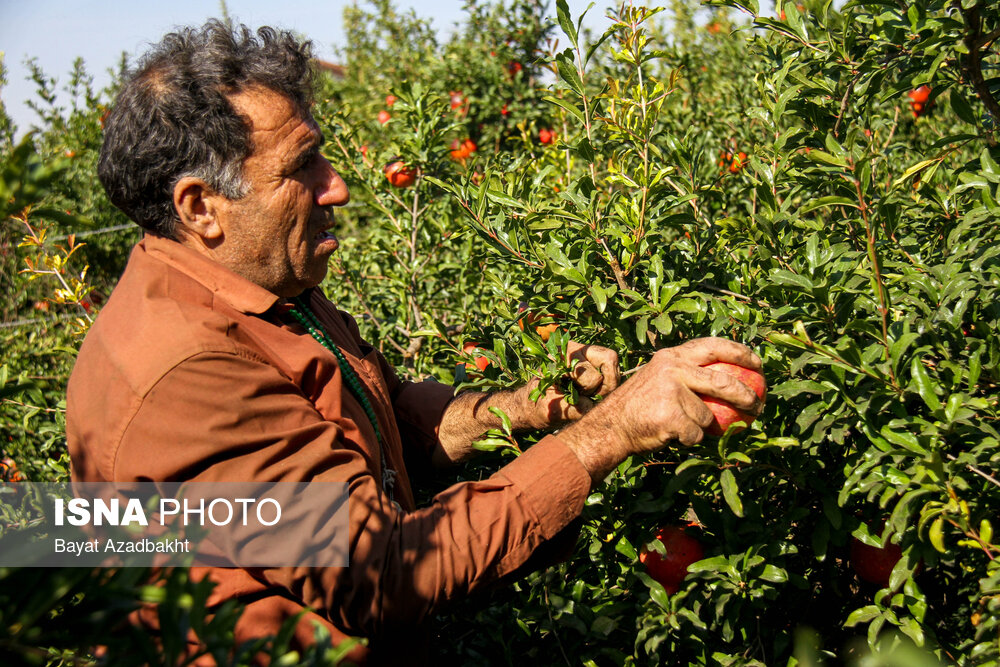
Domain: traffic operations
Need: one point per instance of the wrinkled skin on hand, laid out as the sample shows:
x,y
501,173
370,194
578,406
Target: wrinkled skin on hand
x,y
468,416
596,374
660,404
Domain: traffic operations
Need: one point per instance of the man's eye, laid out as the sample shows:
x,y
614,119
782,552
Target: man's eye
x,y
305,162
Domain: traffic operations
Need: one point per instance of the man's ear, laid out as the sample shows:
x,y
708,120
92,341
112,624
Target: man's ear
x,y
197,205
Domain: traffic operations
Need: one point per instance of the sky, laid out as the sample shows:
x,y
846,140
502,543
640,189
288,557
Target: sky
x,y
56,32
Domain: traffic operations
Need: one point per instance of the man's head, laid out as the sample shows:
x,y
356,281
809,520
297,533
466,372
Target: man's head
x,y
211,143
173,117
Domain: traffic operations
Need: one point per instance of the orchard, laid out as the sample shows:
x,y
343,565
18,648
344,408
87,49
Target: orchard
x,y
817,180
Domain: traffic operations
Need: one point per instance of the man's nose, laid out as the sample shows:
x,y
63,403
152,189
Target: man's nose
x,y
331,189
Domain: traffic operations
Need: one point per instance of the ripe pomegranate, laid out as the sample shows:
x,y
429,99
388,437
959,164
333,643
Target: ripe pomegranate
x,y
544,331
546,135
726,414
872,564
458,102
384,116
9,471
461,149
737,163
482,363
919,100
681,550
400,175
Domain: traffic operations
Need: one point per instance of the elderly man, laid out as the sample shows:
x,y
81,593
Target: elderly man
x,y
218,359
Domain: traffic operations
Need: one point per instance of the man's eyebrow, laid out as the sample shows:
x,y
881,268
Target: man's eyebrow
x,y
309,150
316,143
317,140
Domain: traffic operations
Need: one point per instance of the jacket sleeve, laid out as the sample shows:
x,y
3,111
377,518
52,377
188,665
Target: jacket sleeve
x,y
224,417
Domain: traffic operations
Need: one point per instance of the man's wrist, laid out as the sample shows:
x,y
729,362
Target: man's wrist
x,y
599,449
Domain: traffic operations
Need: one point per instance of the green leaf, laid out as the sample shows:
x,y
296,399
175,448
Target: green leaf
x,y
861,615
713,564
822,202
490,444
568,106
504,199
961,106
687,305
903,439
975,368
936,534
789,279
912,629
504,419
657,592
566,21
924,384
774,574
731,492
625,548
825,158
534,346
568,72
603,625
692,463
915,169
663,324
641,329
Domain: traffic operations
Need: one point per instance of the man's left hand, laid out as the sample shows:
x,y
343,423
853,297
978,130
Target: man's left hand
x,y
595,374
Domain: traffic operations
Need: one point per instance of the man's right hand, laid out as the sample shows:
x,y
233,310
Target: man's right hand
x,y
660,404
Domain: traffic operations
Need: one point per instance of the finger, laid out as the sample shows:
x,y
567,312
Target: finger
x,y
689,433
696,409
587,379
702,351
558,410
582,407
602,360
606,361
719,385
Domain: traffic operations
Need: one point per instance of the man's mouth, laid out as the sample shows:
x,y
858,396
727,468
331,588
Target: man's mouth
x,y
326,236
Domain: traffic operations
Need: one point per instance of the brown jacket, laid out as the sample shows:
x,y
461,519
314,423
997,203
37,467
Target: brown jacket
x,y
192,373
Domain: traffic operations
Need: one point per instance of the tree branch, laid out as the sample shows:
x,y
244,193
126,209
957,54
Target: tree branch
x,y
974,41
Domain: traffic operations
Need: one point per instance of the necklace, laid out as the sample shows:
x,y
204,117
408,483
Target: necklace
x,y
304,315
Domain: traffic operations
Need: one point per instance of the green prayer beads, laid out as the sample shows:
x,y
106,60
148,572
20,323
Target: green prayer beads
x,y
304,315
308,319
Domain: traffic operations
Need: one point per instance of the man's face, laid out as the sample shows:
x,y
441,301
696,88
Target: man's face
x,y
277,235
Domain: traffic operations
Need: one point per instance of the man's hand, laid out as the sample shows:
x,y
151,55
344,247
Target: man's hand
x,y
660,404
595,374
468,416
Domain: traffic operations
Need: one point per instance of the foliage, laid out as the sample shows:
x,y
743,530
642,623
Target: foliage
x,y
853,247
81,618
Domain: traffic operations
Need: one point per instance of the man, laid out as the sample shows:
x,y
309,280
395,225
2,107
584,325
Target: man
x,y
217,359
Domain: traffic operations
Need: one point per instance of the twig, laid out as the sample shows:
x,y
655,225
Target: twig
x,y
876,273
976,470
973,64
712,288
361,299
615,266
32,407
843,104
555,632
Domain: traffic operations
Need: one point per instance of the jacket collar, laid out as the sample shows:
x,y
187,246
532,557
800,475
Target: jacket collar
x,y
234,289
